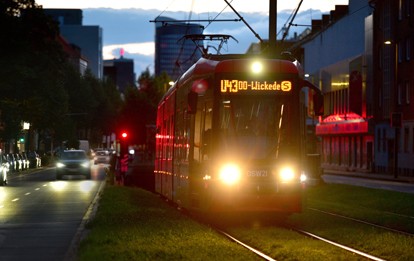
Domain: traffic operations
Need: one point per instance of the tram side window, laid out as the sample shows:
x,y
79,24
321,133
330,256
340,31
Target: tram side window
x,y
165,141
197,136
207,132
202,132
170,137
186,138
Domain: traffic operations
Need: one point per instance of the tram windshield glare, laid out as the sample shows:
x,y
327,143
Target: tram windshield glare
x,y
255,127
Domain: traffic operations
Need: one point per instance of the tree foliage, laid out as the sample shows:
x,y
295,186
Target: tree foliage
x,y
39,85
140,106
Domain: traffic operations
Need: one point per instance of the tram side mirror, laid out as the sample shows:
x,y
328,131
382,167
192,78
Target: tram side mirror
x,y
318,104
192,102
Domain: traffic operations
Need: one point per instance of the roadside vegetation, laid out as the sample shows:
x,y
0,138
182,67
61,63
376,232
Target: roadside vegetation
x,y
41,84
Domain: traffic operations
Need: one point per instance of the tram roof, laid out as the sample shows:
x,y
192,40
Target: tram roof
x,y
230,63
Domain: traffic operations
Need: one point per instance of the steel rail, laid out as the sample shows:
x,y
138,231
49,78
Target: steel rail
x,y
364,222
257,252
370,257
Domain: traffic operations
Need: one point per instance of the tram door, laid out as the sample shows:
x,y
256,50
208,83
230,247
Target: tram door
x,y
202,149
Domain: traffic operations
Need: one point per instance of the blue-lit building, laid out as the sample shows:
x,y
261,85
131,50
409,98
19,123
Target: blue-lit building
x,y
173,54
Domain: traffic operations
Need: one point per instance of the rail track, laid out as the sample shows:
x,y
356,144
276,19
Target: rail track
x,y
366,222
267,257
257,249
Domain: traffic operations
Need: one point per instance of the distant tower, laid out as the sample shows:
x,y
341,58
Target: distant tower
x,y
120,71
171,55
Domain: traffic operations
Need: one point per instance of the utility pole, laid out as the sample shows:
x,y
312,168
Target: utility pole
x,y
272,27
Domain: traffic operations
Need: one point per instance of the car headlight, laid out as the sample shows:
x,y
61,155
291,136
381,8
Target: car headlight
x,y
287,174
230,174
60,165
85,164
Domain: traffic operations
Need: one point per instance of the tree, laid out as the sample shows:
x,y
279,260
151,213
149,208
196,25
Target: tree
x,y
39,85
140,105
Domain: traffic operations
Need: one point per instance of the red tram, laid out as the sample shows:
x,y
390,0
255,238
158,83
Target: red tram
x,y
231,136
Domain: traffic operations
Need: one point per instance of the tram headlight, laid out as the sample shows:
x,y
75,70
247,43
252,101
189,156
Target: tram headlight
x,y
230,174
257,67
303,177
287,174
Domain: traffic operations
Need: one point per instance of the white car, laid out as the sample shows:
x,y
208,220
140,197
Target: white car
x,y
4,169
102,156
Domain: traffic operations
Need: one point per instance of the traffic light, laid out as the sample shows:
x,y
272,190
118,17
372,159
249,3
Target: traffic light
x,y
123,143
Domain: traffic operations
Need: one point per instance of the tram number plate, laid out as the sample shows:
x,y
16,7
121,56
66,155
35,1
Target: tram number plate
x,y
257,173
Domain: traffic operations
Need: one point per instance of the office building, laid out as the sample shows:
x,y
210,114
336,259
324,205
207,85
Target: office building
x,y
173,54
87,37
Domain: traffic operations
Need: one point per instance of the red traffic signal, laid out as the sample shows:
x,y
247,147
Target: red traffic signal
x,y
124,135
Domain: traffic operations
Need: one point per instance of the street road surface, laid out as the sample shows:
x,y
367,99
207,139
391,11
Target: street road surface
x,y
39,216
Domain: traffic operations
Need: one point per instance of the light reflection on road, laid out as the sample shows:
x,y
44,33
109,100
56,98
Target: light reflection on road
x,y
87,185
58,185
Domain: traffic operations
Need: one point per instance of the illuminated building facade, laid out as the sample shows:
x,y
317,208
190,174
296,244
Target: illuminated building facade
x,y
361,56
338,58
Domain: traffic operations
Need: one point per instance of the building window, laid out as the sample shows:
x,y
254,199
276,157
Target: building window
x,y
406,138
407,6
379,140
412,140
408,49
380,57
400,51
399,94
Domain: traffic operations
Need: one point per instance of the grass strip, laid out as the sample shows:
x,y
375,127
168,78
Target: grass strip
x,y
134,224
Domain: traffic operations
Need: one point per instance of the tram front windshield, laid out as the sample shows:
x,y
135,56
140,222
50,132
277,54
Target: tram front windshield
x,y
256,127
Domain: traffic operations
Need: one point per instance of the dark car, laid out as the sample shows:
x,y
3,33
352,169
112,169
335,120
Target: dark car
x,y
73,162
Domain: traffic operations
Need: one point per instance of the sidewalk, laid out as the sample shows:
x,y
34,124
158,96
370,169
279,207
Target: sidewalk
x,y
370,175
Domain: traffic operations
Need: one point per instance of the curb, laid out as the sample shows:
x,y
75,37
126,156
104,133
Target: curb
x,y
81,233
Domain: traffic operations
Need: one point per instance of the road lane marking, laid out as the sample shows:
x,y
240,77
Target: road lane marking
x,y
16,199
28,193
